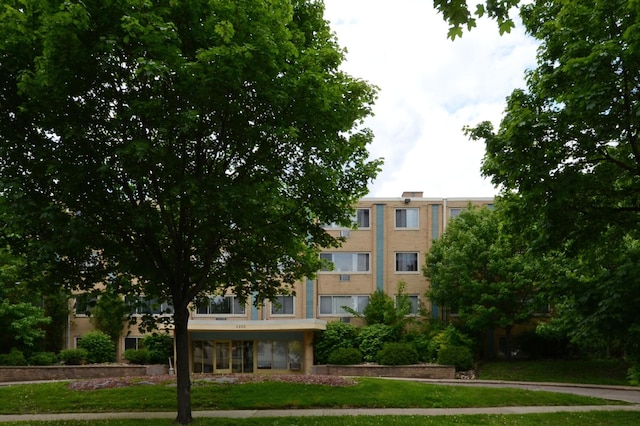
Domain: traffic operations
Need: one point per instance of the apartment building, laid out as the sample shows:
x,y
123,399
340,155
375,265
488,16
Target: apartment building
x,y
388,246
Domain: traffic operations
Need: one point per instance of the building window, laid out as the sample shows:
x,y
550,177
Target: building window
x,y
362,218
132,343
219,305
84,304
345,262
142,305
407,262
407,218
334,305
415,304
283,305
454,212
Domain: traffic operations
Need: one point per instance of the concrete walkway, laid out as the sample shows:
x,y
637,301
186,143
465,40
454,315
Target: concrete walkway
x,y
614,393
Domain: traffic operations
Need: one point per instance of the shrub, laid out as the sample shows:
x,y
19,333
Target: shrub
x,y
373,337
160,347
13,358
99,347
459,356
450,336
73,356
337,335
397,354
137,356
345,356
420,342
43,358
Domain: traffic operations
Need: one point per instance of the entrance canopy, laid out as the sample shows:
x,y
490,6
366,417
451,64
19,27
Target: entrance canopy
x,y
264,325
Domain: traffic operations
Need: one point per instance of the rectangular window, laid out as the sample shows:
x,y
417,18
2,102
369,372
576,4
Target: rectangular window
x,y
218,305
362,218
334,305
407,262
415,304
283,305
407,218
132,342
84,304
346,262
146,305
453,212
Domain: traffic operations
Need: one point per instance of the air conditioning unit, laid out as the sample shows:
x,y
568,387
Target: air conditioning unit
x,y
345,277
345,233
345,320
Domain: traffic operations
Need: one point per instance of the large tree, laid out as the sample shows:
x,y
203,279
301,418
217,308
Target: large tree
x,y
485,275
196,145
567,156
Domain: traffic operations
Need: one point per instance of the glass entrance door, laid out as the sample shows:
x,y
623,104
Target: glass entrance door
x,y
242,356
223,357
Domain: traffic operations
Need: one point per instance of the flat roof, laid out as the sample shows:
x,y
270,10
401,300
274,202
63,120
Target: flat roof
x,y
256,325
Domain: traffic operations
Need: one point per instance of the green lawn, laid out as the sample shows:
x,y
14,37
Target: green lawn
x,y
593,418
602,372
368,392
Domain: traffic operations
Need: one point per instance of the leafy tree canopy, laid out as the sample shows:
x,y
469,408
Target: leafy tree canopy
x,y
195,145
459,15
485,275
567,147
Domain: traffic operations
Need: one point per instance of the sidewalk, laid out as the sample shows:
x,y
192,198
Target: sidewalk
x,y
617,393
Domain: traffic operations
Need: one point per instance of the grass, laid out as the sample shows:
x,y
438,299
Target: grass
x,y
367,393
601,372
593,418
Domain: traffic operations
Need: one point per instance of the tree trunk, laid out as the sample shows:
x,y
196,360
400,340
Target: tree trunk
x,y
181,318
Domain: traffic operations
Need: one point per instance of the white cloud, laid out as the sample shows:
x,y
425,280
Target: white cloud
x,y
430,87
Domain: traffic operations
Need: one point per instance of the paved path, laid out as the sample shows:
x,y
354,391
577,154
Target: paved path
x,y
615,393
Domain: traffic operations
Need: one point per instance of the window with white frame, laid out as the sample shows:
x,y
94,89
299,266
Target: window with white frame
x,y
345,262
84,304
282,305
454,212
414,300
131,342
407,218
362,218
141,305
222,305
334,305
407,262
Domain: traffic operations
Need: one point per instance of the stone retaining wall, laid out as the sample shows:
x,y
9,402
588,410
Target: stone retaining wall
x,y
64,372
420,371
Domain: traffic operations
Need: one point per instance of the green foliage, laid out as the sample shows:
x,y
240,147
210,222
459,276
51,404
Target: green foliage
x,y
345,356
99,347
43,358
337,335
137,356
420,341
459,356
14,357
450,336
485,274
160,347
458,14
395,353
110,312
131,119
373,337
74,356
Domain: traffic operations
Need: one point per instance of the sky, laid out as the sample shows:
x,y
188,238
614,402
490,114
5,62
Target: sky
x,y
429,88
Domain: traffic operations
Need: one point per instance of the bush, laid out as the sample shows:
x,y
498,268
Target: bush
x,y
99,347
420,342
160,347
459,356
137,356
13,358
397,354
337,335
43,358
450,336
373,337
73,356
345,356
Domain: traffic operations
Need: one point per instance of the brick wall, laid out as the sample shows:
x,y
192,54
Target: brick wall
x,y
422,371
27,374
